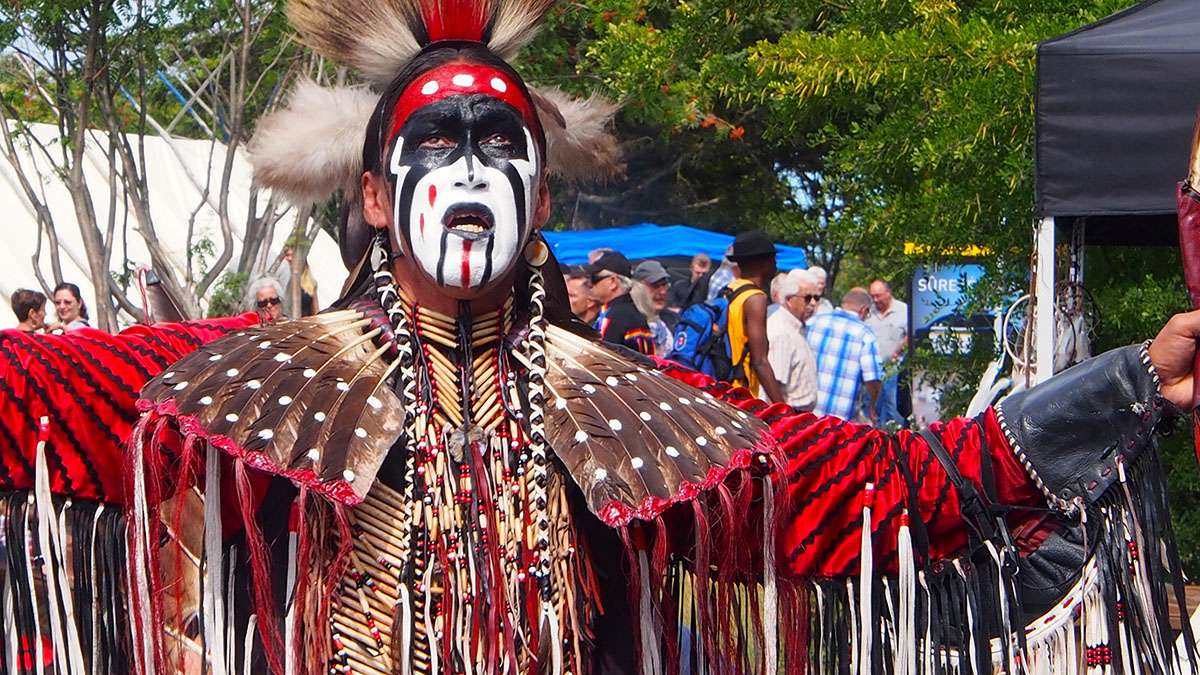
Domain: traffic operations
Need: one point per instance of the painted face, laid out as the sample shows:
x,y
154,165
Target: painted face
x,y
465,172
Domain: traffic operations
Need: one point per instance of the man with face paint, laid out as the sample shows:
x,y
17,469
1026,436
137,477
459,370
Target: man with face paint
x,y
465,180
446,472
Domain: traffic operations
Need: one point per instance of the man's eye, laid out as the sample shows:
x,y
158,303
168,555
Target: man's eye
x,y
436,143
497,140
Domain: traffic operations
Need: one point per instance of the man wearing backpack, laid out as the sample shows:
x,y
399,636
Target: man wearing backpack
x,y
619,321
754,254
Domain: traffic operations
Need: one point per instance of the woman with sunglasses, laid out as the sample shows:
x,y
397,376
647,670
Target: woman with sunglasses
x,y
265,296
69,305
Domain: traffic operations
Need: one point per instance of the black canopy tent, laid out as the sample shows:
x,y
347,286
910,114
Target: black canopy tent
x,y
1116,101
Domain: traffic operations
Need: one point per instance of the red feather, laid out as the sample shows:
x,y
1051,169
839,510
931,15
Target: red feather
x,y
455,19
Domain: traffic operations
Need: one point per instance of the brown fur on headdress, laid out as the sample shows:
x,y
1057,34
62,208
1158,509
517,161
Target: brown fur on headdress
x,y
313,147
579,144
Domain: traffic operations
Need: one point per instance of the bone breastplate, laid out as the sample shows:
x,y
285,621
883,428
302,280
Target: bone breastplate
x,y
445,573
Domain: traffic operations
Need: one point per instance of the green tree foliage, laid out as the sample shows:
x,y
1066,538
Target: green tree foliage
x,y
843,128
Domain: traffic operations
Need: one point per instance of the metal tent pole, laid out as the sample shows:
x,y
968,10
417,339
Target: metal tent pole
x,y
1043,293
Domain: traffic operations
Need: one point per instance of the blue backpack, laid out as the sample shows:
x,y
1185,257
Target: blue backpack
x,y
701,340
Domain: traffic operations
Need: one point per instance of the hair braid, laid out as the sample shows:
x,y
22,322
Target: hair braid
x,y
538,463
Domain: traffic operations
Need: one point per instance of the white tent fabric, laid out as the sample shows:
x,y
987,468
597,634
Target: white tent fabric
x,y
178,173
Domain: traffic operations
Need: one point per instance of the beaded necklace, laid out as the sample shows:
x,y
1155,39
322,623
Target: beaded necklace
x,y
472,566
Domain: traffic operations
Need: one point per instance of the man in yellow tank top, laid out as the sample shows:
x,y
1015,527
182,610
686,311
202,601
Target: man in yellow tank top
x,y
754,254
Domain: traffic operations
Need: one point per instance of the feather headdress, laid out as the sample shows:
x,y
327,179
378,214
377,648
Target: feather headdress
x,y
379,38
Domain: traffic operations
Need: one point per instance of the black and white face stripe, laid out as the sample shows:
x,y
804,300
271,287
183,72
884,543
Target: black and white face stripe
x,y
465,171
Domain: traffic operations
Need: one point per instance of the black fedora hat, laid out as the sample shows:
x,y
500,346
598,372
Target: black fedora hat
x,y
752,244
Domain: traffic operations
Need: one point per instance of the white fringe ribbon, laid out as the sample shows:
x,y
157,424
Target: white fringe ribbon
x,y
140,574
770,608
289,625
550,621
906,629
214,583
64,638
406,627
95,576
865,584
27,537
432,638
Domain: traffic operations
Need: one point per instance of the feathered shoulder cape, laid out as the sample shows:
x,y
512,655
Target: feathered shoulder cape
x,y
309,400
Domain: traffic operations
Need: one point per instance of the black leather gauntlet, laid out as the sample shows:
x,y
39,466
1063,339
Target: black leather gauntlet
x,y
1072,431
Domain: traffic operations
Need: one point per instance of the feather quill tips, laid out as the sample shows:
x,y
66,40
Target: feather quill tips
x,y
620,514
339,491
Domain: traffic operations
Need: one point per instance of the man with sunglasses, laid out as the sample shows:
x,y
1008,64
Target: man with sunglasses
x,y
789,353
619,321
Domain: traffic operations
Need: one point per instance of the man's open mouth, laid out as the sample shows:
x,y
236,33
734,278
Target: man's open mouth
x,y
469,221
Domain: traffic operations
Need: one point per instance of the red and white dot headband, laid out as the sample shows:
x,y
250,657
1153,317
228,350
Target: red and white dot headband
x,y
460,79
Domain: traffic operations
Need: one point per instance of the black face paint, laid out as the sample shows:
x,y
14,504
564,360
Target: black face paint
x,y
464,173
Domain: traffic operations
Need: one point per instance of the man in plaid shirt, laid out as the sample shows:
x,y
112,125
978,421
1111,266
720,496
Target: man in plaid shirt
x,y
846,357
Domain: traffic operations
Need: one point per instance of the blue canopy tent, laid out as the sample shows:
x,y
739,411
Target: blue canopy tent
x,y
647,240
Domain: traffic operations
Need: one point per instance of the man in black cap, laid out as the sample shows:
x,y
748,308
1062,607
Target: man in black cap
x,y
754,254
619,321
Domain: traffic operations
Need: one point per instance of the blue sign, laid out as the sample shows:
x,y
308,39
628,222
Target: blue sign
x,y
939,298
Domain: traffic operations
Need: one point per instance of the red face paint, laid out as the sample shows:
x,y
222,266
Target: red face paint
x,y
422,224
466,263
461,79
432,194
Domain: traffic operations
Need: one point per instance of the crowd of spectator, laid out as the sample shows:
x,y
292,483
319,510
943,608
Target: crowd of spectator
x,y
264,296
786,339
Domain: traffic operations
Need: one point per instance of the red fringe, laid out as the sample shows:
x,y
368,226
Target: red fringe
x,y
703,572
663,600
303,569
634,585
264,602
726,562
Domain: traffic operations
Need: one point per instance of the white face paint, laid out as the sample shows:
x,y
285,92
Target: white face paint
x,y
467,218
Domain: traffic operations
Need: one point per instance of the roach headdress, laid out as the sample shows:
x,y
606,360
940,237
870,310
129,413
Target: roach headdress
x,y
380,39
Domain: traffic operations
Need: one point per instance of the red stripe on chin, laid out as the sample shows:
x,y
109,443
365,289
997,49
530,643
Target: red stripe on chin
x,y
466,263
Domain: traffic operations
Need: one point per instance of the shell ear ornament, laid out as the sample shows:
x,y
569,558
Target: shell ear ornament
x,y
537,252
